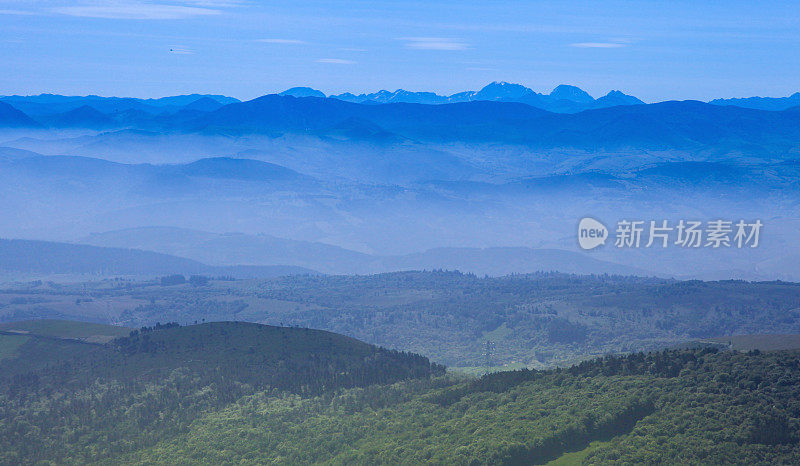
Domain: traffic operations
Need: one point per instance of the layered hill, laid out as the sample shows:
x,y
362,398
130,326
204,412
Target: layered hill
x,y
407,179
233,248
666,125
31,258
11,117
333,224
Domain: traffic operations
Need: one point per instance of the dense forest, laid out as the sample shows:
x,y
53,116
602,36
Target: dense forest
x,y
235,393
64,400
539,320
701,406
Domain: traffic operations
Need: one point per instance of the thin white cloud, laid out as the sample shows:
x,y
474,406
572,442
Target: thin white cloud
x,y
282,41
17,12
622,40
215,3
434,43
336,61
598,45
135,10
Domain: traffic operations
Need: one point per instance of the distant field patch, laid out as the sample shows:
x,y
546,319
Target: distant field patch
x,y
90,332
758,342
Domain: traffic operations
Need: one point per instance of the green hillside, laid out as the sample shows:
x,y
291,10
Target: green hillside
x,y
673,407
239,393
65,400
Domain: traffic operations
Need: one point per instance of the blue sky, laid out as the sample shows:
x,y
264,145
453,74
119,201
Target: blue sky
x,y
656,50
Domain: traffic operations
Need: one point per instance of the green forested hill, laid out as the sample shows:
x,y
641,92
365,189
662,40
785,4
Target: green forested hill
x,y
235,393
672,407
67,401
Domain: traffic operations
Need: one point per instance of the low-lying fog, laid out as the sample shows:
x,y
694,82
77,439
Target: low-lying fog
x,y
387,202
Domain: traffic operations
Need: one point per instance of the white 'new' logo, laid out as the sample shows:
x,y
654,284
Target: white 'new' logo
x,y
591,233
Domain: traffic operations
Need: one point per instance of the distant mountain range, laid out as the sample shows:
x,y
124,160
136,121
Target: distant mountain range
x,y
563,99
499,116
762,103
50,104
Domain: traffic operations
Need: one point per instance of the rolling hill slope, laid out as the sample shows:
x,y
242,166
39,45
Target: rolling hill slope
x,y
11,117
238,248
42,258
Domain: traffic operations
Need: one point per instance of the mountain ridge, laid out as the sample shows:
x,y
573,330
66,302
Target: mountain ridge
x,y
762,103
47,104
563,98
684,125
572,99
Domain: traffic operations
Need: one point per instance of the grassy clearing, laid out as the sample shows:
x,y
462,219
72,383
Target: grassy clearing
x,y
758,342
481,370
577,457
